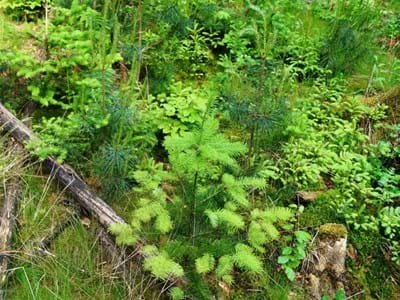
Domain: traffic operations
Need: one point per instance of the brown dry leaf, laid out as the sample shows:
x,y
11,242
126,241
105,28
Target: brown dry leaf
x,y
308,196
86,222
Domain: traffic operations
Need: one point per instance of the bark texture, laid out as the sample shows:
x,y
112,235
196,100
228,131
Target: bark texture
x,y
326,269
11,194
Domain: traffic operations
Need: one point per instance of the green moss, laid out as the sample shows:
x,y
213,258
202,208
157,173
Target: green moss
x,y
371,271
368,244
374,277
337,230
319,212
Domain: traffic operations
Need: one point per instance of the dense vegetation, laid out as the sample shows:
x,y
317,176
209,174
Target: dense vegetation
x,y
199,121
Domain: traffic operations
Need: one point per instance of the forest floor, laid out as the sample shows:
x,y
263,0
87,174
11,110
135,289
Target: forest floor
x,y
341,143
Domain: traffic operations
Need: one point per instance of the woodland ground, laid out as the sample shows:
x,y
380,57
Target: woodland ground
x,y
199,122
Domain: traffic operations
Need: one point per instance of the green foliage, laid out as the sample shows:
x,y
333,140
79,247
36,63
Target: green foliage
x,y
326,147
27,9
246,260
183,107
345,46
339,295
204,264
124,234
193,152
262,228
224,216
177,294
225,267
199,192
204,124
389,219
292,256
65,71
160,265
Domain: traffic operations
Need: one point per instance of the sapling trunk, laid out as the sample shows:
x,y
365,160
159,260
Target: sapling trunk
x,y
194,208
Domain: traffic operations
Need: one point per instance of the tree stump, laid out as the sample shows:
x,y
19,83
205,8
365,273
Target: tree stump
x,y
326,263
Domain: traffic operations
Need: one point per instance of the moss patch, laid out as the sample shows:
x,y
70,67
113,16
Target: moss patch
x,y
333,229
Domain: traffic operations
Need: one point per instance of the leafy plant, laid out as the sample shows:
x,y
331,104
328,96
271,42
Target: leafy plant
x,y
292,256
200,194
27,9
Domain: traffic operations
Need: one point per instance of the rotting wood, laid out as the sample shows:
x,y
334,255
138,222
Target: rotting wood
x,y
307,197
11,195
325,268
66,175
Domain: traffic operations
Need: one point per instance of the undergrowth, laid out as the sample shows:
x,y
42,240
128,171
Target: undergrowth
x,y
199,122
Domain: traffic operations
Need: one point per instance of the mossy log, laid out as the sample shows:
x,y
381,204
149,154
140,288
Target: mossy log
x,y
326,263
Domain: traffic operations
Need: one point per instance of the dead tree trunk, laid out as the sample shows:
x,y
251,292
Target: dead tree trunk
x,y
326,264
74,184
7,223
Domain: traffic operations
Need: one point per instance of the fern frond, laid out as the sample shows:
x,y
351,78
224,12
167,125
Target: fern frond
x,y
163,222
161,266
176,293
253,182
201,149
235,190
275,214
271,231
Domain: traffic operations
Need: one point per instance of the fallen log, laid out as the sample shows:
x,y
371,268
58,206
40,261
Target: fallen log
x,y
7,224
65,174
11,194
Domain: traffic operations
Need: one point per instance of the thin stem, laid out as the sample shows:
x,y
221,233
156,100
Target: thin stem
x,y
251,146
46,28
194,207
140,12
